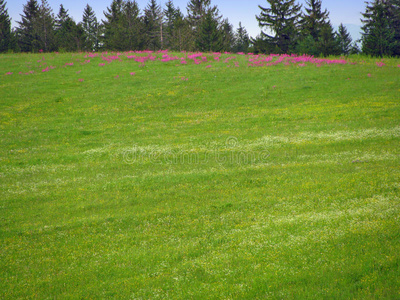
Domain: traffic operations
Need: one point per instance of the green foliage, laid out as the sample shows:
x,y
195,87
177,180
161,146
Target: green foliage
x,y
379,36
28,39
314,20
209,37
44,27
344,40
308,45
6,36
242,40
91,29
153,25
282,19
327,43
69,35
227,36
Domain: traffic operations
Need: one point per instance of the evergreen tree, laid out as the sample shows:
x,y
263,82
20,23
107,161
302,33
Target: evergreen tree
x,y
26,34
314,20
197,10
113,37
281,18
44,27
327,43
227,36
6,36
242,40
132,27
344,40
172,15
66,30
209,36
90,28
182,35
379,36
153,24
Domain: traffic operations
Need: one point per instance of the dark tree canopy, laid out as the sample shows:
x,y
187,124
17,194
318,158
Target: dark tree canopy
x,y
282,19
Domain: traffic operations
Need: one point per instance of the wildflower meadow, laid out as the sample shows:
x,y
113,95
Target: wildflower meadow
x,y
177,175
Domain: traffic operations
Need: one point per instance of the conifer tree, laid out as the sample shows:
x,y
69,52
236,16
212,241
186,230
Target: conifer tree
x,y
172,15
132,27
327,43
6,35
90,28
281,18
344,40
44,27
242,40
379,36
209,36
26,34
113,37
314,20
227,36
64,30
153,24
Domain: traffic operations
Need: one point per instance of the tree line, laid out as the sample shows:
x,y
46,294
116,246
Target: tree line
x,y
286,28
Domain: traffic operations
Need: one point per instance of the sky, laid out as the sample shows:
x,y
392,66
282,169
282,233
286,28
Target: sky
x,y
347,12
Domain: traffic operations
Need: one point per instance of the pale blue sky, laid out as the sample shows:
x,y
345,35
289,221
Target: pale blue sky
x,y
341,11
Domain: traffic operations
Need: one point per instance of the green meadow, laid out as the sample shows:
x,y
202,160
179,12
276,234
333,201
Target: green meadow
x,y
207,178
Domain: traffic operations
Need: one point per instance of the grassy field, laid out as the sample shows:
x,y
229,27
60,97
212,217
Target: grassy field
x,y
184,176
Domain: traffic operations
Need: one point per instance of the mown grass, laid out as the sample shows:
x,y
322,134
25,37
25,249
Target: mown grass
x,y
188,182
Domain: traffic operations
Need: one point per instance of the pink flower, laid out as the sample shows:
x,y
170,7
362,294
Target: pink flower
x,y
9,73
45,70
40,51
81,80
183,62
69,64
380,64
369,75
132,73
116,77
209,66
78,72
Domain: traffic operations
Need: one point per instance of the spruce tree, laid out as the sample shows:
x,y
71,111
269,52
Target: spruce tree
x,y
26,32
209,36
281,18
327,43
227,35
197,9
314,19
6,37
171,16
132,27
113,36
63,30
153,25
379,36
44,27
242,40
90,28
344,40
